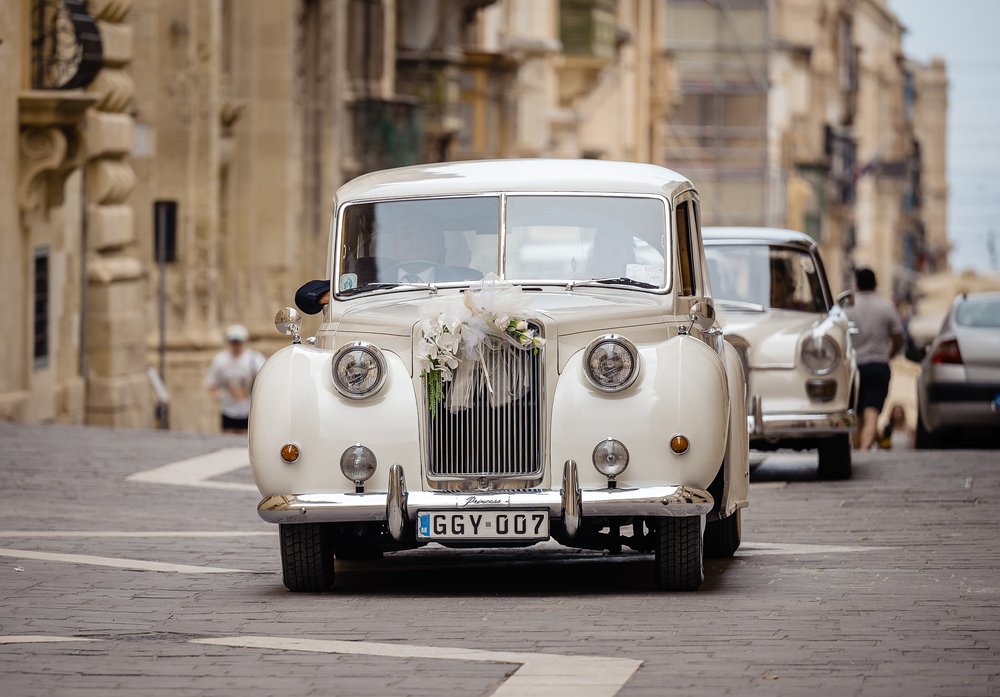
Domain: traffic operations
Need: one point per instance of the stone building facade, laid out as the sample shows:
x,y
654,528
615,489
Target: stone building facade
x,y
805,114
73,321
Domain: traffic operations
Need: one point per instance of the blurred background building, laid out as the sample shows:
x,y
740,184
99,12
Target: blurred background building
x,y
249,113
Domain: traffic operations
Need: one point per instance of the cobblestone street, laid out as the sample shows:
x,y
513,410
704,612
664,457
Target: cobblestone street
x,y
886,584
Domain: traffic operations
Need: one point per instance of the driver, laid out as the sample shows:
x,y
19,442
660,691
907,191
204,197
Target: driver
x,y
419,253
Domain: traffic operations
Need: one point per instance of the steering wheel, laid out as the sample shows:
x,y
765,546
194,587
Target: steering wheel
x,y
413,267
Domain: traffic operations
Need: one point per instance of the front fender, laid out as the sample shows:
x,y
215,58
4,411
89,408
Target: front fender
x,y
294,401
681,389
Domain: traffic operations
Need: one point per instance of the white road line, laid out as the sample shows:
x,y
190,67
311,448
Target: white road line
x,y
133,564
756,549
39,639
551,675
36,534
767,485
198,471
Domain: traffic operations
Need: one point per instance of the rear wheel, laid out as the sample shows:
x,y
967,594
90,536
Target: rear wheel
x,y
924,439
835,457
306,557
722,536
677,553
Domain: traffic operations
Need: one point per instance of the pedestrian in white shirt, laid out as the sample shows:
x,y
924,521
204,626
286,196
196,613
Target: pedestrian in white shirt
x,y
230,379
879,338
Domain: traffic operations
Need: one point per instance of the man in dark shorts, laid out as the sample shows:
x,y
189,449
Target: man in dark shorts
x,y
879,338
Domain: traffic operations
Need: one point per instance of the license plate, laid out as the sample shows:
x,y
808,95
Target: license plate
x,y
483,525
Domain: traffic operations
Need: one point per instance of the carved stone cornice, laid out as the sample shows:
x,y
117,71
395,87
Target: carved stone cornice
x,y
65,108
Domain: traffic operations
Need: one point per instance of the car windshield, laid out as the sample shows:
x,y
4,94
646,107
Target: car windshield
x,y
981,311
579,238
611,239
770,276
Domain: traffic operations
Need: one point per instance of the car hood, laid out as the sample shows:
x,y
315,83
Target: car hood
x,y
773,335
566,312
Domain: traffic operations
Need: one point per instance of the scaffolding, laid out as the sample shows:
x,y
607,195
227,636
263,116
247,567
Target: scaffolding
x,y
718,135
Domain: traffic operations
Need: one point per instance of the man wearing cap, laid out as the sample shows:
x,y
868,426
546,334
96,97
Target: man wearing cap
x,y
230,379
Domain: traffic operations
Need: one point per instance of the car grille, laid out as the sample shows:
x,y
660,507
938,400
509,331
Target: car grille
x,y
491,441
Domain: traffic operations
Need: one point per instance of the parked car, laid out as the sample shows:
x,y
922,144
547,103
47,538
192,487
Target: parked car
x,y
475,392
959,385
775,305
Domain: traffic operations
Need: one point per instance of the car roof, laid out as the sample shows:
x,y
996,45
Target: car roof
x,y
765,235
515,175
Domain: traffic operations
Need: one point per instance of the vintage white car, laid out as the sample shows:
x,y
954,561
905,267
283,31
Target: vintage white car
x,y
776,307
511,351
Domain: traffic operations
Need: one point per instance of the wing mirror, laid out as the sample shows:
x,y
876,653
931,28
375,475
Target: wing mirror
x,y
702,315
846,299
288,321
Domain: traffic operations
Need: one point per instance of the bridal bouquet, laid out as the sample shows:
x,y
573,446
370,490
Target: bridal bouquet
x,y
462,339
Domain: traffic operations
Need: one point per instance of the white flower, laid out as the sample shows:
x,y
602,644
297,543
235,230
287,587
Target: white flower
x,y
448,342
537,341
522,326
427,349
446,374
525,340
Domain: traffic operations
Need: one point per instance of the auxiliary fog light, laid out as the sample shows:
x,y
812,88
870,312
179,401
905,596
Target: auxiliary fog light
x,y
679,444
289,452
358,464
610,457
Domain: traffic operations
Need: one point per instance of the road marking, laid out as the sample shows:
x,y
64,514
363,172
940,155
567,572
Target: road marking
x,y
767,485
34,534
39,639
756,549
133,564
551,675
198,471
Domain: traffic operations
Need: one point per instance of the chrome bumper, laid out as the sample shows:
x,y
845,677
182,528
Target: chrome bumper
x,y
398,506
763,425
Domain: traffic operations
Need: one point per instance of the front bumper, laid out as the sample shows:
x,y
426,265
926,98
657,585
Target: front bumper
x,y
398,507
768,426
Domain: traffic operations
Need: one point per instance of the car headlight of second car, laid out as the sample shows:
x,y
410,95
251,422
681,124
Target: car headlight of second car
x,y
611,363
358,370
820,353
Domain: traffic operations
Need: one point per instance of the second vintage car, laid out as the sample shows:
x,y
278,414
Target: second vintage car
x,y
776,307
510,351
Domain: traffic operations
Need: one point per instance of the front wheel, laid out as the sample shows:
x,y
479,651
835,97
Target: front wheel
x,y
835,457
678,553
306,557
722,536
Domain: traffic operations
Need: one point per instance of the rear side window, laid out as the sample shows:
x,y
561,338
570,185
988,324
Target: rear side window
x,y
682,222
979,312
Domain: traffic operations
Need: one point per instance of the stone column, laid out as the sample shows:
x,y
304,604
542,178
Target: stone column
x,y
118,390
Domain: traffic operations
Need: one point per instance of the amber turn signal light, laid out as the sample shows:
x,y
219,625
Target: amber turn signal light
x,y
289,452
679,444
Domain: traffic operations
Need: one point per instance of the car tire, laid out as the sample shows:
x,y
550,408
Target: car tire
x,y
306,557
924,439
835,457
722,536
678,553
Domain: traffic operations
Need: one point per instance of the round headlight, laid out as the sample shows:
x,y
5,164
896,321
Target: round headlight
x,y
611,363
610,457
358,463
820,354
358,370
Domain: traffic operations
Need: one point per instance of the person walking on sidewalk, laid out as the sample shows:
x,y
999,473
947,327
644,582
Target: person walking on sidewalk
x,y
230,379
879,338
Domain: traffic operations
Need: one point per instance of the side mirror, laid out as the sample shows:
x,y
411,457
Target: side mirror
x,y
288,321
846,299
702,315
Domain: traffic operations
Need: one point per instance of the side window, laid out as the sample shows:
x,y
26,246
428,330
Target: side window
x,y
685,270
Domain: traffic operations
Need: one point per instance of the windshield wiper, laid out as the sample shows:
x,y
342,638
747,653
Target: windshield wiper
x,y
616,281
382,286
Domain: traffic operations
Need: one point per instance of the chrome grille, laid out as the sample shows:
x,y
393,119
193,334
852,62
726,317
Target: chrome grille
x,y
491,441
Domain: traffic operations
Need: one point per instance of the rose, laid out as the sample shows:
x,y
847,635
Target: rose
x,y
521,326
